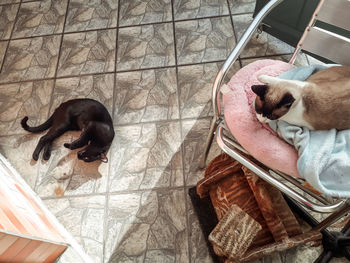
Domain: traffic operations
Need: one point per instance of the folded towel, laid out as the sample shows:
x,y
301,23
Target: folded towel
x,y
324,156
234,233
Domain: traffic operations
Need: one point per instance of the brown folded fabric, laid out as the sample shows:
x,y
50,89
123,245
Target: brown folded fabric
x,y
234,233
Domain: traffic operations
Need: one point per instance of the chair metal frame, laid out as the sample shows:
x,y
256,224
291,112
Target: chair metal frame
x,y
232,147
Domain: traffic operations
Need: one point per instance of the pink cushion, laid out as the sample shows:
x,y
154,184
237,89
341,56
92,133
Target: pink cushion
x,y
258,139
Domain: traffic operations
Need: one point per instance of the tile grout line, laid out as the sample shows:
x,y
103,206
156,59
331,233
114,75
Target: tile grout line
x,y
117,27
112,72
115,192
54,82
10,38
234,31
106,208
181,135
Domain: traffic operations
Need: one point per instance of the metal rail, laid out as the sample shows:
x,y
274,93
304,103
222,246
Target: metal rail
x,y
227,65
272,180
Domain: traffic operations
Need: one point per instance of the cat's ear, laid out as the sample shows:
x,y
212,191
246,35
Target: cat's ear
x,y
103,158
268,79
259,90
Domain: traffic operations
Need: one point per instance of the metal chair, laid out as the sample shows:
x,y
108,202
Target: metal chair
x,y
316,41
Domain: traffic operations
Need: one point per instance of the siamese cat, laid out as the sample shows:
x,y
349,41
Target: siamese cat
x,y
322,102
87,115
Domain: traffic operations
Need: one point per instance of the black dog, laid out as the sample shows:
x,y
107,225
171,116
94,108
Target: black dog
x,y
87,115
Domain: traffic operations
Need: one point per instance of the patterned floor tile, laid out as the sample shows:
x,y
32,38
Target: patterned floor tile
x,y
83,217
144,96
3,45
195,133
4,2
98,87
146,156
18,150
198,248
28,59
91,14
145,47
204,40
88,52
7,20
147,227
137,12
242,6
188,9
40,18
18,100
63,174
195,85
261,44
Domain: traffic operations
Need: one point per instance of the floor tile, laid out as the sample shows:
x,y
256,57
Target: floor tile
x,y
99,87
91,14
147,227
242,6
64,175
18,100
145,47
40,18
33,58
195,85
204,40
198,248
261,44
188,9
88,52
3,46
147,95
137,12
4,2
194,134
146,156
83,217
18,150
7,20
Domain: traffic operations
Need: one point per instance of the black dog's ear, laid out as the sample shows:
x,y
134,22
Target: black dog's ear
x,y
103,158
260,90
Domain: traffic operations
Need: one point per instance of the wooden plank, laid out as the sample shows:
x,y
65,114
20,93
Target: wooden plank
x,y
25,252
6,242
14,249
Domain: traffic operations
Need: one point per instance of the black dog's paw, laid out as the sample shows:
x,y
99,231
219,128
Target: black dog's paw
x,y
35,156
46,155
67,145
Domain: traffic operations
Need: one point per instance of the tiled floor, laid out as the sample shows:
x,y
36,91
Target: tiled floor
x,y
152,64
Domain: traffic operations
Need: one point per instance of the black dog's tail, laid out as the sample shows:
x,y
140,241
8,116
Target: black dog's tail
x,y
40,128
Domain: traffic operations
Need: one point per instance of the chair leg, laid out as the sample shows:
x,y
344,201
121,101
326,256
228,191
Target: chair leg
x,y
214,124
335,244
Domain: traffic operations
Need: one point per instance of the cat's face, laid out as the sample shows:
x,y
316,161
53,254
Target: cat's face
x,y
274,98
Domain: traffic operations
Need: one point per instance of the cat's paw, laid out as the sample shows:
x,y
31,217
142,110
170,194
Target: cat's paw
x,y
67,145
